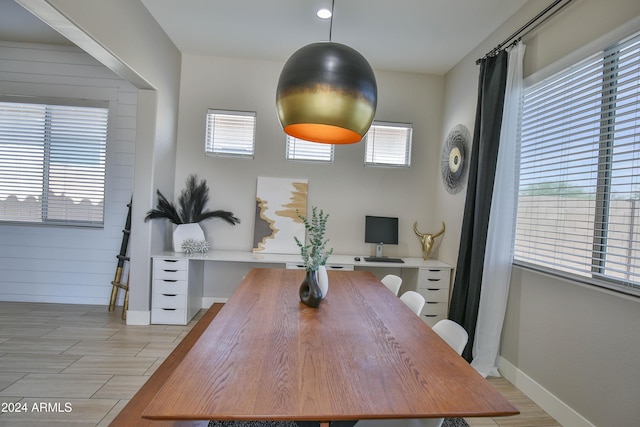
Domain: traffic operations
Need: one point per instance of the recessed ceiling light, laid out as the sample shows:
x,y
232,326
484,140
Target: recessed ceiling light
x,y
323,13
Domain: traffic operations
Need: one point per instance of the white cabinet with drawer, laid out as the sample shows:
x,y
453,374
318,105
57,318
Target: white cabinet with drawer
x,y
433,284
337,267
176,294
178,279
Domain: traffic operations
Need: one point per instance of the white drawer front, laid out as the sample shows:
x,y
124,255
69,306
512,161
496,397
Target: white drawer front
x,y
435,308
170,264
294,266
166,300
435,294
170,275
339,267
336,267
435,275
432,319
168,316
169,287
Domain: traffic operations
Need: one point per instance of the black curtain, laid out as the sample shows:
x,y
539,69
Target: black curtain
x,y
482,168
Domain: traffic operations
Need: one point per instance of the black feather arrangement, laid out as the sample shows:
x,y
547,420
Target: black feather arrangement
x,y
191,206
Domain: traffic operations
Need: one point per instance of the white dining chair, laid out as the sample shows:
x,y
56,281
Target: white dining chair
x,y
392,282
452,333
414,301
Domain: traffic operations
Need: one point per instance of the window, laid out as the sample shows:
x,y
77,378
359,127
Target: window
x,y
230,133
299,149
388,144
579,192
52,162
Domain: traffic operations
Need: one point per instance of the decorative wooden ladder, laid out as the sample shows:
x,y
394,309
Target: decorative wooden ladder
x,y
117,280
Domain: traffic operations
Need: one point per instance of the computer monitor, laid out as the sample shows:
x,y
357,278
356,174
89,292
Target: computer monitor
x,y
381,230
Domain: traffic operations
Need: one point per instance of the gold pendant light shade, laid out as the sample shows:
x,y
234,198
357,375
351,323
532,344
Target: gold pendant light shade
x,y
327,93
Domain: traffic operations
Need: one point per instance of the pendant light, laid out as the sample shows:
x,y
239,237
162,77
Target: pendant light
x,y
327,93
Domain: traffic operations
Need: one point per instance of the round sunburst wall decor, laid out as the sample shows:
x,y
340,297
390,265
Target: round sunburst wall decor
x,y
453,162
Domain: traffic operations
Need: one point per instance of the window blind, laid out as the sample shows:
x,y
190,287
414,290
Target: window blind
x,y
579,191
52,163
230,133
388,144
299,149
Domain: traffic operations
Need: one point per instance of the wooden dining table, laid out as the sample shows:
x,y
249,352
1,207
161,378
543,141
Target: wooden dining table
x,y
362,354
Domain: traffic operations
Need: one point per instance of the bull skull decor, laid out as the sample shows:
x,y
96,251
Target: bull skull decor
x,y
427,240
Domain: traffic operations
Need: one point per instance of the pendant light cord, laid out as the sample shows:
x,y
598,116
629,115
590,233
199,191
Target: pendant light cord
x,y
331,22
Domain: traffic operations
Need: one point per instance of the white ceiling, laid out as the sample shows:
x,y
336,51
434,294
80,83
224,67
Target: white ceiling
x,y
426,36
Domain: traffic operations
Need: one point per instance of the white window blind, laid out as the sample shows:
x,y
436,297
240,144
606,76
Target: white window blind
x,y
230,133
388,144
299,149
52,163
579,192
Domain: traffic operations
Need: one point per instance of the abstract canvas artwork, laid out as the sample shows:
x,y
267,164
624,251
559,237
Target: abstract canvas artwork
x,y
276,221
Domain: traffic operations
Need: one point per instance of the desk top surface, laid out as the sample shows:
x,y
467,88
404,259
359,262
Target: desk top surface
x,y
334,259
362,354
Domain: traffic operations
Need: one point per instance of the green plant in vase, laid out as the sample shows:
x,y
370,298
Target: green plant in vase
x,y
314,257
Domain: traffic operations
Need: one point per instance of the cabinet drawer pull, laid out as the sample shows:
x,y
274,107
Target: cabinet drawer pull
x,y
432,279
169,280
433,289
430,315
169,309
170,295
434,269
336,267
170,260
432,302
295,265
171,271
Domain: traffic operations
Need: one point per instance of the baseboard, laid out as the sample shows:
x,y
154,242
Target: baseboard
x,y
209,301
138,317
553,406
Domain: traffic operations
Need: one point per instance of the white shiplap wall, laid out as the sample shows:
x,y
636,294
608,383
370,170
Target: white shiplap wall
x,y
63,264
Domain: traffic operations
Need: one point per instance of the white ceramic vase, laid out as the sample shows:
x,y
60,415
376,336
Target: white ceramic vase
x,y
323,280
183,232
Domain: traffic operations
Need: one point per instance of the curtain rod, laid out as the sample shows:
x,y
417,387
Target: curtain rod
x,y
534,23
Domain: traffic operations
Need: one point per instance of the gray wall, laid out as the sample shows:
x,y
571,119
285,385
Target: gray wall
x,y
577,343
69,264
141,52
346,189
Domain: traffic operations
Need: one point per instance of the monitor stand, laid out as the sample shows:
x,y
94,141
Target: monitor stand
x,y
379,250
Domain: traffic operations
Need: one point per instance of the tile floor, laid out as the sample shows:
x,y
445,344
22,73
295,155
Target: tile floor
x,y
77,365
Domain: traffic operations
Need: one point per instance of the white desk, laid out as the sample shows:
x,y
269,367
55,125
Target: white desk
x,y
178,279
